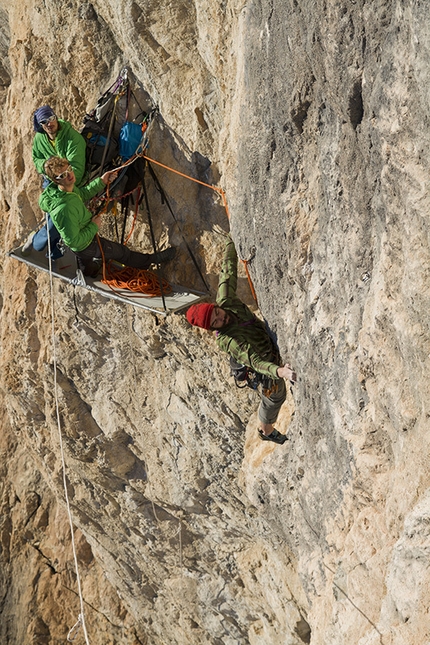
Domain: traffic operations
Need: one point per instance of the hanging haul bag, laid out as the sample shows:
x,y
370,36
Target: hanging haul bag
x,y
95,135
130,137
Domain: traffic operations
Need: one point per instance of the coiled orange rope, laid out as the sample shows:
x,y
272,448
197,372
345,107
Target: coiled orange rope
x,y
136,280
131,279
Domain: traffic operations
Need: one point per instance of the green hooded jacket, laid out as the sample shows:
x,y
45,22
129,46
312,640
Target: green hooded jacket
x,y
68,143
69,214
246,338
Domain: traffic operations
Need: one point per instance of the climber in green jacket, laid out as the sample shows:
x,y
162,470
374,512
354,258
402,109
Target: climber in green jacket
x,y
77,225
245,338
57,138
54,137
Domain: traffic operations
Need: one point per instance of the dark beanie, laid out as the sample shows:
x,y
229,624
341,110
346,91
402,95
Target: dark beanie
x,y
42,113
200,315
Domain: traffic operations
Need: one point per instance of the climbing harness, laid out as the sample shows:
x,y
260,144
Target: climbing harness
x,y
244,376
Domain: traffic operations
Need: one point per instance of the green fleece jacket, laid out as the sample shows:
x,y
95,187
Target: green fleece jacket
x,y
69,214
68,143
246,338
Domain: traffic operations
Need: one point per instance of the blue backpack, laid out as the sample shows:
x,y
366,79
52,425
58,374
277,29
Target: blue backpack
x,y
130,137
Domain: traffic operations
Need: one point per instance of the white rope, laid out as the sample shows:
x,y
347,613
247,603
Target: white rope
x,y
75,629
81,619
180,547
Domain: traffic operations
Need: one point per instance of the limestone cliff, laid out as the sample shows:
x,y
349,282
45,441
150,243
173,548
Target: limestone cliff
x,y
313,116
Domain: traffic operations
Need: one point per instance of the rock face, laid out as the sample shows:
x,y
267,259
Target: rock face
x,y
313,117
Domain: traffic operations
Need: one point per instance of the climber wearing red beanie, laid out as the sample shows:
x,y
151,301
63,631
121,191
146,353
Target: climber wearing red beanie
x,y
245,338
200,315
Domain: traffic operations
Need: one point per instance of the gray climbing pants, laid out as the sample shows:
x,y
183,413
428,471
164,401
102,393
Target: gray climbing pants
x,y
270,406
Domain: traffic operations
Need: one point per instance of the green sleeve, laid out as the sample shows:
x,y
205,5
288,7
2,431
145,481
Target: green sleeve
x,y
76,153
39,153
91,189
243,353
228,276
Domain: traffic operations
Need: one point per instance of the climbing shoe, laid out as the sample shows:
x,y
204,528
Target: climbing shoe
x,y
28,244
274,436
162,257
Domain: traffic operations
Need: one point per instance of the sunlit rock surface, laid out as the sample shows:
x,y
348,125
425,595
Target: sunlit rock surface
x,y
313,117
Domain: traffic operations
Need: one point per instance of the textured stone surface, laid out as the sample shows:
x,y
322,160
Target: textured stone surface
x,y
313,116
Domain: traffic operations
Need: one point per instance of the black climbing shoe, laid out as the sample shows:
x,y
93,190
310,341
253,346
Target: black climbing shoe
x,y
162,257
274,436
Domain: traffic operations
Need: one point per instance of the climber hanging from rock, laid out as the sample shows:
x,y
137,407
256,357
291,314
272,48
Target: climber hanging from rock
x,y
54,137
78,227
245,338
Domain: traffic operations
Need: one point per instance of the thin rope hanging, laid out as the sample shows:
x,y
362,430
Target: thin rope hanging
x,y
151,232
166,201
218,190
81,619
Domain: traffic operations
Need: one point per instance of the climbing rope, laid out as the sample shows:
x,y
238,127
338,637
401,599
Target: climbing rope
x,y
81,619
136,280
166,201
141,154
140,281
133,224
73,632
218,190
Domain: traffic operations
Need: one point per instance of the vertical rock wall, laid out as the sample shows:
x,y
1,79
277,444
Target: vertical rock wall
x,y
313,117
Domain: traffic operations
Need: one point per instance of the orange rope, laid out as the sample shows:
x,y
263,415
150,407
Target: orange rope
x,y
177,172
197,181
115,197
133,224
136,280
224,201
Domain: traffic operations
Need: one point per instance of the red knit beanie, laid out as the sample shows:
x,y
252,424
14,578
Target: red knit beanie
x,y
200,315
